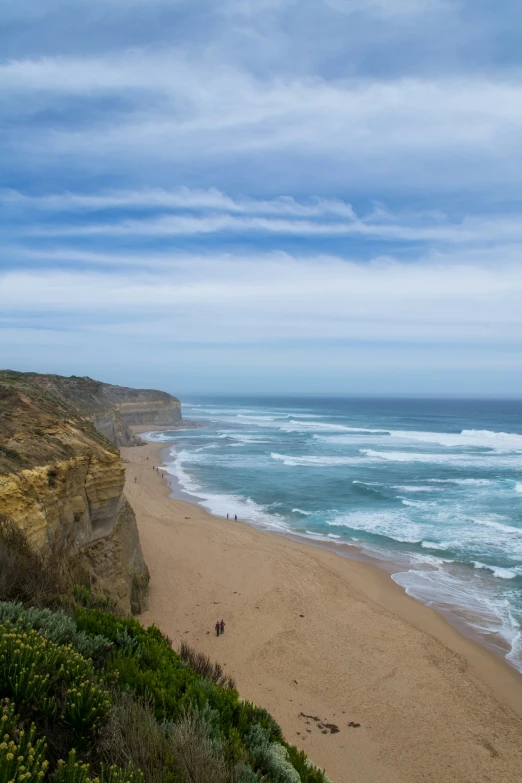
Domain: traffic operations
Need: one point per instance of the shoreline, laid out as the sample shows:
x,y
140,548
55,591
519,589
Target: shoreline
x,y
313,634
452,614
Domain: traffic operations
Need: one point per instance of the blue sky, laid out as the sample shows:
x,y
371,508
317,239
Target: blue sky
x,y
263,195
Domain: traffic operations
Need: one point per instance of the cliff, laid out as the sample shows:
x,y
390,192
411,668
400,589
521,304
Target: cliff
x,y
61,482
112,409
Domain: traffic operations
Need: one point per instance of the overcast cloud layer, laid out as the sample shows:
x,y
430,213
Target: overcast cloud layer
x,y
263,195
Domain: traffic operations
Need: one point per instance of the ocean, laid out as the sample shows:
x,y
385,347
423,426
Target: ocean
x,y
431,490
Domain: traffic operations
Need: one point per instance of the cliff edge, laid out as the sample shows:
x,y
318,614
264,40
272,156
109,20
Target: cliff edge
x,y
112,409
61,482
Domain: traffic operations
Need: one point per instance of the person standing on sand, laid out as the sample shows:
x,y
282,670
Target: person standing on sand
x,y
222,626
217,628
235,517
227,516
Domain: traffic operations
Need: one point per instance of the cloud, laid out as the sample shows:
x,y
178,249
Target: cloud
x,y
191,212
303,183
263,298
144,110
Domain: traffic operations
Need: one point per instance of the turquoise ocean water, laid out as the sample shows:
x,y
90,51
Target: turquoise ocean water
x,y
430,489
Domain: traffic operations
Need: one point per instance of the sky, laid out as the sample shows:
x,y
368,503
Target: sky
x,y
263,196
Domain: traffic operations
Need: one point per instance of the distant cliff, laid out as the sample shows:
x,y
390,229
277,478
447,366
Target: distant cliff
x,y
61,482
112,409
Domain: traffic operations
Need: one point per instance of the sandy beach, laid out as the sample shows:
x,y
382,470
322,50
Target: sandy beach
x,y
318,639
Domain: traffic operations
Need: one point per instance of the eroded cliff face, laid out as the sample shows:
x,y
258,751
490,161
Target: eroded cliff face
x,y
62,483
112,409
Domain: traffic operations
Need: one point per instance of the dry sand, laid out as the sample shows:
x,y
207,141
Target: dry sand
x,y
309,633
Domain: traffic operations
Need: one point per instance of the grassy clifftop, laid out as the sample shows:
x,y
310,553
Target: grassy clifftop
x,y
112,409
37,427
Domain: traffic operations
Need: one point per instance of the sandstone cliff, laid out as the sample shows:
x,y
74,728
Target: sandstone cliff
x,y
112,409
61,482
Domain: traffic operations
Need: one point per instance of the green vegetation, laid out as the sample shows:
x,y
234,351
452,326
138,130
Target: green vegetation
x,y
89,696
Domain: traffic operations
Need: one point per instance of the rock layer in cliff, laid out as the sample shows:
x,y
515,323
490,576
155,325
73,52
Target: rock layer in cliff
x,y
61,482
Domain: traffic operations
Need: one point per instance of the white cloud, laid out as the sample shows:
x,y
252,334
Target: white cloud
x,y
179,198
259,299
191,212
452,131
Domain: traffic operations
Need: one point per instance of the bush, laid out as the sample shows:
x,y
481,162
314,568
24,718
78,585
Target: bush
x,y
202,664
73,771
133,736
51,683
201,756
55,626
22,756
271,757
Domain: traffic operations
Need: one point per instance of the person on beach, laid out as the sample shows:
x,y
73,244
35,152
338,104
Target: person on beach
x,y
222,626
227,516
235,517
218,627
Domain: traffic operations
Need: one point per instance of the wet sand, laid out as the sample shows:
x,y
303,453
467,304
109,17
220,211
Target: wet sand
x,y
319,639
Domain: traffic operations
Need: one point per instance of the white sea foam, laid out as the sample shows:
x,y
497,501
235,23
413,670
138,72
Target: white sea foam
x,y
503,441
391,524
518,486
463,482
489,613
414,503
509,529
221,504
459,460
300,511
311,461
484,439
321,426
500,573
414,488
434,545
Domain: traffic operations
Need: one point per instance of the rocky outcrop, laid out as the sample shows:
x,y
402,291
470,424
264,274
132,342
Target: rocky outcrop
x,y
112,409
61,482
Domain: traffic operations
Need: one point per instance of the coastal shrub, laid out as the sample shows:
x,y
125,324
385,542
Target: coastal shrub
x,y
90,600
308,772
52,683
55,626
200,755
74,771
132,736
245,774
202,664
271,757
22,755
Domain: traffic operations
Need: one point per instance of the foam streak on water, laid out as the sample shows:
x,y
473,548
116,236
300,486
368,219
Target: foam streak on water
x,y
432,486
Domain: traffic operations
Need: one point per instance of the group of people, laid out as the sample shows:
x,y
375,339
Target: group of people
x,y
220,627
235,517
